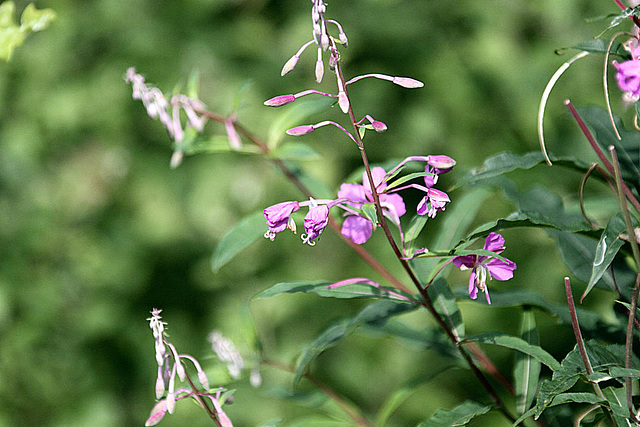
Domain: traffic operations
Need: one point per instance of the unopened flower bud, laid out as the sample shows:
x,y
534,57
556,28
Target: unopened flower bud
x,y
234,139
343,101
343,39
290,65
279,101
441,162
319,70
202,378
407,82
301,130
378,126
159,384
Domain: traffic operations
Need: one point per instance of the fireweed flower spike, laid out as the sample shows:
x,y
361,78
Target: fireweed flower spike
x,y
279,217
483,266
358,228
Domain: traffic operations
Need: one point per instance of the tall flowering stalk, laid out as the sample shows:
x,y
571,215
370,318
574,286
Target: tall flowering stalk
x,y
170,366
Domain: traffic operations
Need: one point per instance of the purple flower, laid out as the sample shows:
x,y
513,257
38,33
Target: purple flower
x,y
484,266
315,222
279,217
435,200
358,228
628,77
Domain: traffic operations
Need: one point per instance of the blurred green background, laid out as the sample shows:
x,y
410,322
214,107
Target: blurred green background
x,y
96,229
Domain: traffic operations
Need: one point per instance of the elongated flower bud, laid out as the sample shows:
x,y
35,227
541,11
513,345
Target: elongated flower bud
x,y
407,82
290,65
301,130
378,126
279,101
441,162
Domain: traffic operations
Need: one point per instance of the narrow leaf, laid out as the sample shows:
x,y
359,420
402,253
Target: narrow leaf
x,y
517,344
360,289
526,371
608,247
375,314
458,416
446,305
247,231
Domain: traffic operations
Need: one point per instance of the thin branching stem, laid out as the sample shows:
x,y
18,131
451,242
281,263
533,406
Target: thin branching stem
x,y
634,296
202,402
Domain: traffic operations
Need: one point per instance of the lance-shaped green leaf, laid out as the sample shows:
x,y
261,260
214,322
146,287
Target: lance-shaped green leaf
x,y
599,45
526,370
375,314
503,163
519,344
407,178
356,288
606,250
458,416
247,231
560,399
571,368
617,400
590,321
578,253
446,305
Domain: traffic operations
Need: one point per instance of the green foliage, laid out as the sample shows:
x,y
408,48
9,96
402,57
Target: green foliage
x,y
459,416
13,35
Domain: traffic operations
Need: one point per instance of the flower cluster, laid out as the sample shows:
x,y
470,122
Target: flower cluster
x,y
628,72
486,266
358,225
166,379
168,112
228,353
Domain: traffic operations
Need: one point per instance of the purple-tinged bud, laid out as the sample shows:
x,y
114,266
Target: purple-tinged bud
x,y
180,370
324,41
157,413
301,130
407,82
343,101
234,139
290,65
441,162
319,70
378,126
279,101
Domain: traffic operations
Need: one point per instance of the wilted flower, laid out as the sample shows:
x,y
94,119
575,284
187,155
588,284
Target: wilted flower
x,y
484,266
